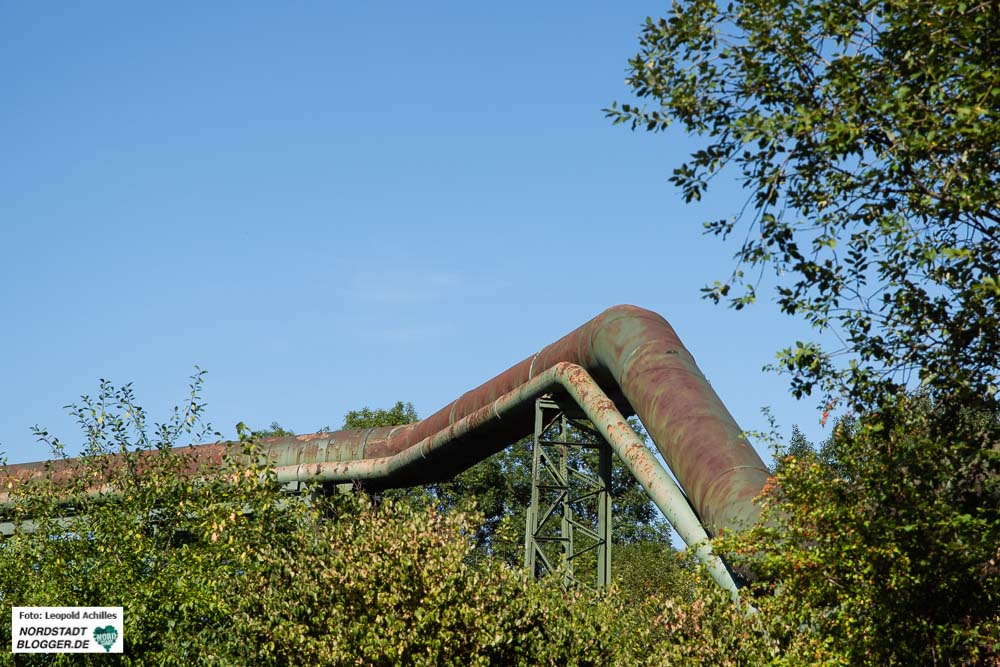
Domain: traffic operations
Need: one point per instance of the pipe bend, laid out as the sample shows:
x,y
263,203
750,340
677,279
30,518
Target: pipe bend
x,y
630,352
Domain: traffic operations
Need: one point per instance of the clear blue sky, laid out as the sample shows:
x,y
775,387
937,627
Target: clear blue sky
x,y
333,205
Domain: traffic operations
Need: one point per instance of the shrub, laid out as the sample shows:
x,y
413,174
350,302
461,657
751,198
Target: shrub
x,y
220,566
883,548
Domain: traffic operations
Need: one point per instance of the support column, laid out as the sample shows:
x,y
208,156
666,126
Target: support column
x,y
568,524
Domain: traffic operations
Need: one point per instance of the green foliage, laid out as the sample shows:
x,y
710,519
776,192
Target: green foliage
x,y
154,541
394,587
642,568
220,566
866,135
500,488
883,547
275,430
797,449
704,628
400,413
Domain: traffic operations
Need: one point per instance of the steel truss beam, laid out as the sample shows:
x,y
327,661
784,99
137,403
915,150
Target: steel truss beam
x,y
565,486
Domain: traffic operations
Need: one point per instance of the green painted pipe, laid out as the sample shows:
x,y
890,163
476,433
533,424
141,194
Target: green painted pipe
x,y
635,359
600,410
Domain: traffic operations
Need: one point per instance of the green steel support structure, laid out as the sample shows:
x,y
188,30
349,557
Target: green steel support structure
x,y
566,487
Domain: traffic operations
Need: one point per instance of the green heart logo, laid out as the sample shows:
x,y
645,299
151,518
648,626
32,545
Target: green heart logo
x,y
106,636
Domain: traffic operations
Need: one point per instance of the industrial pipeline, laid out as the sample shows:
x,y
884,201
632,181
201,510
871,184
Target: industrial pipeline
x,y
625,361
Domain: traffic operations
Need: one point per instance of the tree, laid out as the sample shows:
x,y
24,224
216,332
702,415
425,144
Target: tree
x,y
798,447
156,540
399,414
220,566
867,135
275,430
500,488
883,547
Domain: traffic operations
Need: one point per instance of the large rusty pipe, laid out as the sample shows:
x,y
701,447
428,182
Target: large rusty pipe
x,y
633,354
638,359
600,410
